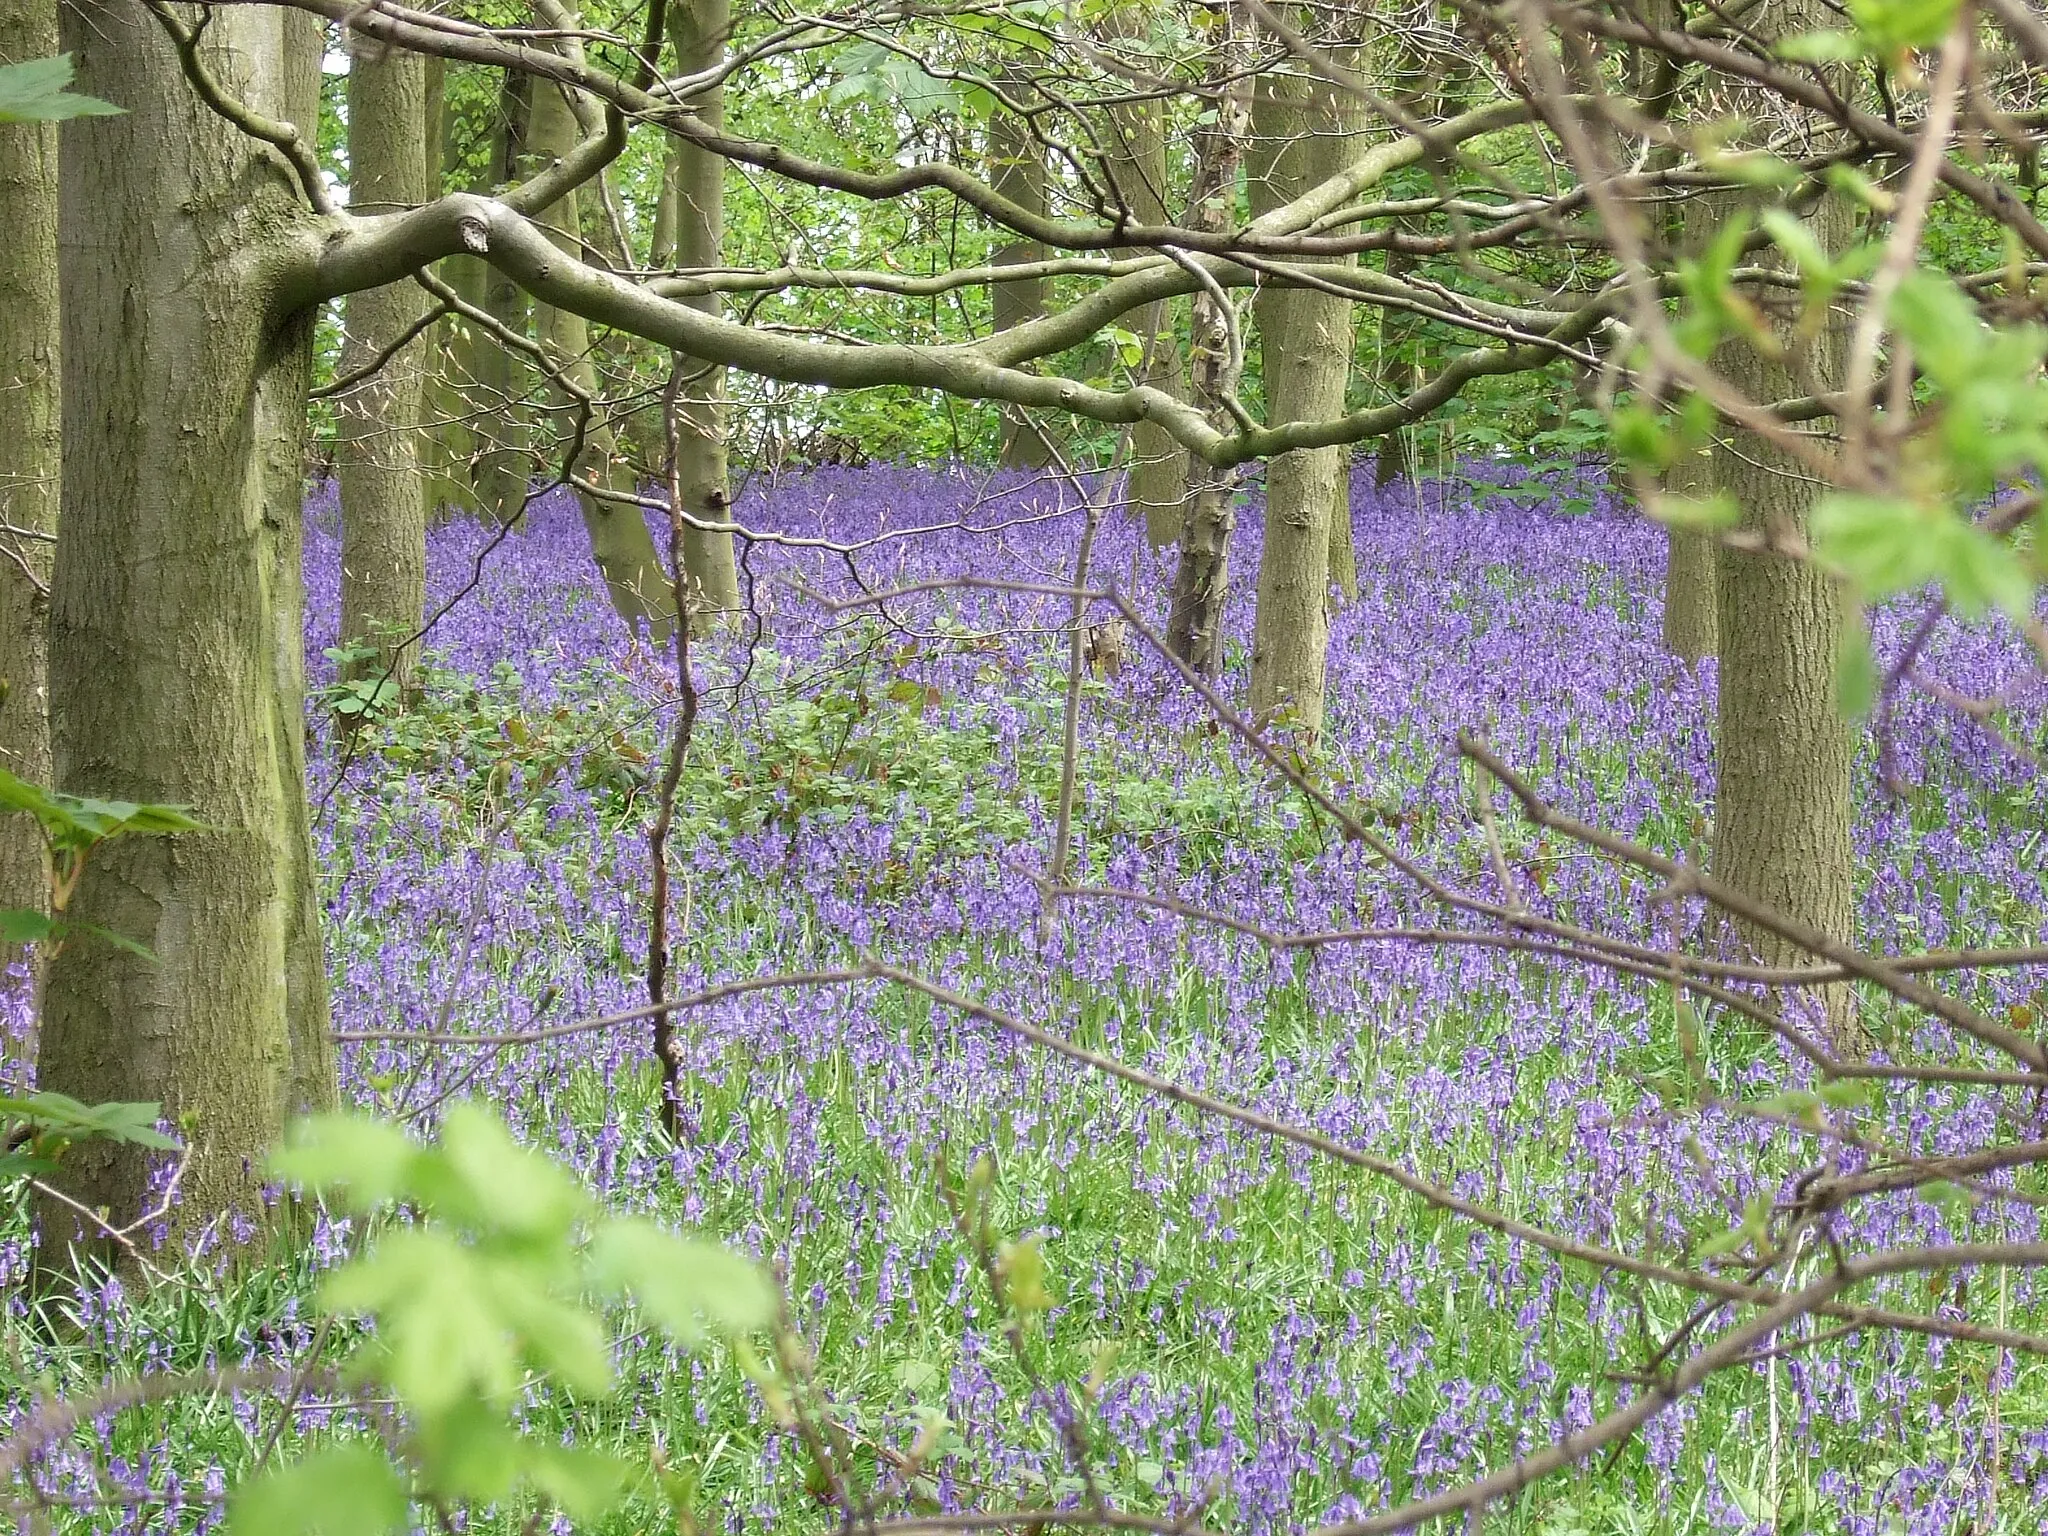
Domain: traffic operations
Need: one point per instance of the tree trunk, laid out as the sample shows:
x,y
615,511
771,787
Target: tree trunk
x,y
174,617
1157,487
1302,133
699,29
29,453
1783,803
447,444
1690,555
503,466
1201,580
377,455
1690,559
619,540
1017,172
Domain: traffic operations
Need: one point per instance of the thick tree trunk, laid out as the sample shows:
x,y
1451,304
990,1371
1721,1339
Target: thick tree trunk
x,y
1302,133
1017,172
377,456
174,616
699,29
1157,487
29,459
1782,816
501,471
619,540
1783,802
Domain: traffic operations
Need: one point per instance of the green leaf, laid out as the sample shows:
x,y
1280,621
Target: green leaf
x,y
471,1453
494,1183
1022,1266
352,1160
129,1122
1894,26
559,1337
1828,47
22,925
585,1483
1709,513
443,1338
342,1490
683,1283
1848,1093
33,91
1856,678
1887,545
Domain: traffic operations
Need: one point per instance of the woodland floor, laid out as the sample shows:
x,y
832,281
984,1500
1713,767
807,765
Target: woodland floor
x,y
1298,1339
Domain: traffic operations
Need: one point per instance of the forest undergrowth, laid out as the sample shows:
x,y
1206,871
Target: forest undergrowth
x,y
1233,1321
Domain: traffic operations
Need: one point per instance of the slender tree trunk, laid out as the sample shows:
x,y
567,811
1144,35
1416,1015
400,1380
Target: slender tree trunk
x,y
699,29
174,616
503,466
447,444
1157,488
377,456
1301,134
1017,172
29,452
1691,557
1201,580
1690,560
619,540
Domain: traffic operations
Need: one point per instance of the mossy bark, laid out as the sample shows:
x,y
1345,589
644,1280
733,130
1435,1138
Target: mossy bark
x,y
377,453
29,452
174,616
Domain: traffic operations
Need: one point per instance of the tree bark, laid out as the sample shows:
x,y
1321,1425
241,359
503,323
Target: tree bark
x,y
174,615
1690,560
377,455
619,540
699,29
29,453
447,445
1157,487
1302,133
1783,802
1691,556
1782,819
1201,579
1017,172
502,468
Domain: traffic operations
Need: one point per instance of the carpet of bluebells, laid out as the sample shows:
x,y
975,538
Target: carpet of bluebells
x,y
1291,1338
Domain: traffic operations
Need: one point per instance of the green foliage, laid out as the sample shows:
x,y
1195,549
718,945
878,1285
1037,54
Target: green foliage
x,y
40,1126
71,827
500,1277
34,92
1887,30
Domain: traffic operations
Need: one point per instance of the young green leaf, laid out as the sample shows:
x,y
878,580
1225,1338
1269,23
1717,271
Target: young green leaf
x,y
342,1490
